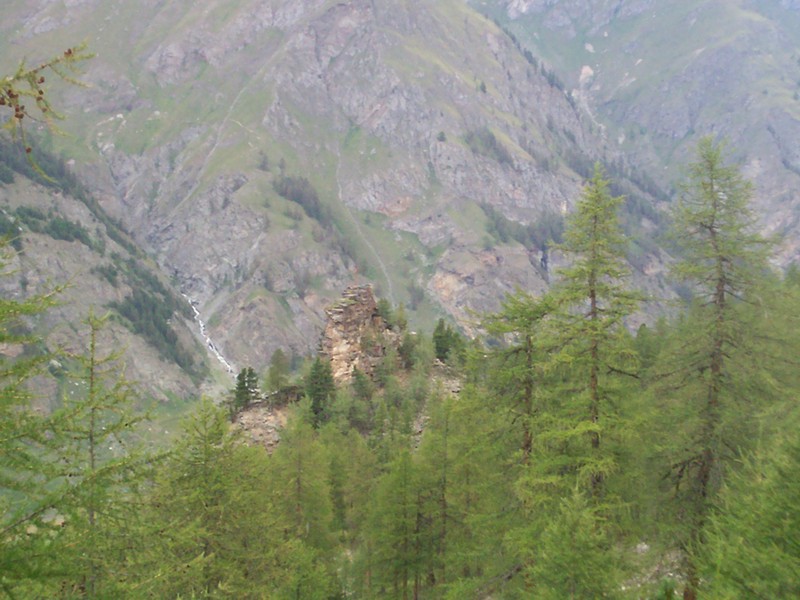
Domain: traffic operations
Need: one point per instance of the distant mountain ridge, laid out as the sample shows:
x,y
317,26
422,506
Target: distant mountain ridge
x,y
659,75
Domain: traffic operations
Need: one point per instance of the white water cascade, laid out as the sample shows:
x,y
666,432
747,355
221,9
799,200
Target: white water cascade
x,y
204,334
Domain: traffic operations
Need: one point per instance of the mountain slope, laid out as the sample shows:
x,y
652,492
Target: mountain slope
x,y
269,153
660,75
61,239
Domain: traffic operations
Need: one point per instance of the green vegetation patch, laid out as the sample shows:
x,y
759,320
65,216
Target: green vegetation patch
x,y
300,190
484,143
51,171
146,315
56,227
149,309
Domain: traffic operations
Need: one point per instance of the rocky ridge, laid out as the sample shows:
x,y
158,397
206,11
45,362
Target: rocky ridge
x,y
355,337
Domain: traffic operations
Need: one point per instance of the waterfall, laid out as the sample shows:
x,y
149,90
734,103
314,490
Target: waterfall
x,y
204,334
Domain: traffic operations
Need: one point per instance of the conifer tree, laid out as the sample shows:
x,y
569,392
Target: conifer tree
x,y
77,498
361,474
708,375
105,468
565,355
246,391
574,556
394,530
212,528
29,478
519,375
301,469
752,549
447,342
320,389
461,485
593,301
435,459
301,491
278,373
464,471
482,503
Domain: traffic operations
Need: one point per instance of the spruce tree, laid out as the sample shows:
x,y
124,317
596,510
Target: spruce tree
x,y
320,389
447,342
246,391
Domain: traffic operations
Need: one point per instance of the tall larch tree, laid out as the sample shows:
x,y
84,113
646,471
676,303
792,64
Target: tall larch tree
x,y
752,549
520,374
592,301
211,525
395,530
279,371
723,260
300,471
568,362
104,465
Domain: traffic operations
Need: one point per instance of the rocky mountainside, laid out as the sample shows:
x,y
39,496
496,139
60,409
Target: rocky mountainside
x,y
269,153
658,75
59,239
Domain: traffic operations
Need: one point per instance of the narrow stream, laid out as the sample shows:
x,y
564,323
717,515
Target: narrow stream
x,y
209,343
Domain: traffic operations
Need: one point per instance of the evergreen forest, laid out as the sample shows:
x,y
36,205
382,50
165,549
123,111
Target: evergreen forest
x,y
561,454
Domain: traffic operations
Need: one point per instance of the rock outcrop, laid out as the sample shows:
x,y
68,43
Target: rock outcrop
x,y
355,336
262,424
